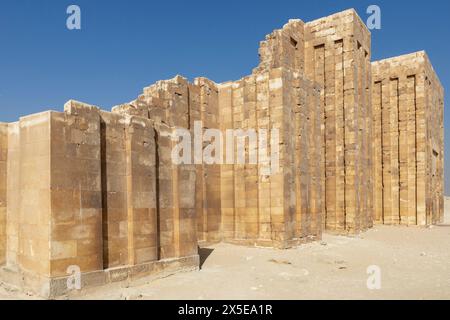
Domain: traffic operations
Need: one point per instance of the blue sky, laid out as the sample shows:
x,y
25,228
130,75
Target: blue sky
x,y
126,45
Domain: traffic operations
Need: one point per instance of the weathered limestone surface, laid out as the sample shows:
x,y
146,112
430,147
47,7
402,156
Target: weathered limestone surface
x,y
280,208
83,191
193,106
75,228
273,208
3,190
100,191
208,179
13,194
113,130
28,196
337,50
409,141
34,187
447,209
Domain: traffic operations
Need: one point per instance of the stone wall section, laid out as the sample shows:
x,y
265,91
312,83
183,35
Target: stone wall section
x,y
408,111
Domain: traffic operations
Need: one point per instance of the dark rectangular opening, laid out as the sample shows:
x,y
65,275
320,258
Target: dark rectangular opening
x,y
294,43
319,46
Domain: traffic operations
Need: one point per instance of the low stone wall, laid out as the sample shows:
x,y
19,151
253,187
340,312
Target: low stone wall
x,y
50,288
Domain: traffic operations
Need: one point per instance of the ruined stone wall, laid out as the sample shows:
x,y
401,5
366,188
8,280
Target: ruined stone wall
x,y
240,202
310,204
75,190
337,53
170,104
435,146
446,209
3,189
176,201
13,194
283,48
50,177
408,146
208,203
113,133
31,223
100,190
94,190
284,207
160,195
176,103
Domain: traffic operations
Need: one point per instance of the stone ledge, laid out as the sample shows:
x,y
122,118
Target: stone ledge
x,y
261,243
50,288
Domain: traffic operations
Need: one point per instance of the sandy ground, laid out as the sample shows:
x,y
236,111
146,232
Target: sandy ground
x,y
414,264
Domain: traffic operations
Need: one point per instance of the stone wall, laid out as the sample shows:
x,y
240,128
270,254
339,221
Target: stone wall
x,y
409,144
13,194
75,190
3,189
176,103
447,210
284,207
96,191
242,202
208,202
114,184
27,183
101,191
337,50
273,208
34,187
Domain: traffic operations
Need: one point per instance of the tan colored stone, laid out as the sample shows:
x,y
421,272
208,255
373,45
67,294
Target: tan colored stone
x,y
99,190
409,142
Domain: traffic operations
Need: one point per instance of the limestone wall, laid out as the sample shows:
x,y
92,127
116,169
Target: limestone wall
x,y
76,194
283,207
95,190
435,146
13,194
32,223
240,202
409,146
100,190
3,189
176,198
337,51
129,180
447,209
176,103
284,48
208,202
113,133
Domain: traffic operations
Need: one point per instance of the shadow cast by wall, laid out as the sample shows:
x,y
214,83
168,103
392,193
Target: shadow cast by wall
x,y
204,254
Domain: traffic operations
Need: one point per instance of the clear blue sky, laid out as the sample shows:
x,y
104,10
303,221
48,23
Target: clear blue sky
x,y
126,45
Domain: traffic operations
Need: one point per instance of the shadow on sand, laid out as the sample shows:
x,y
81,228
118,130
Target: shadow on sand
x,y
204,253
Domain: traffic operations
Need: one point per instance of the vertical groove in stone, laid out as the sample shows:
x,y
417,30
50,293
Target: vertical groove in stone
x,y
378,148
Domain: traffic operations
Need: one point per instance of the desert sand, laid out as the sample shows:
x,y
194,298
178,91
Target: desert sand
x,y
414,264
